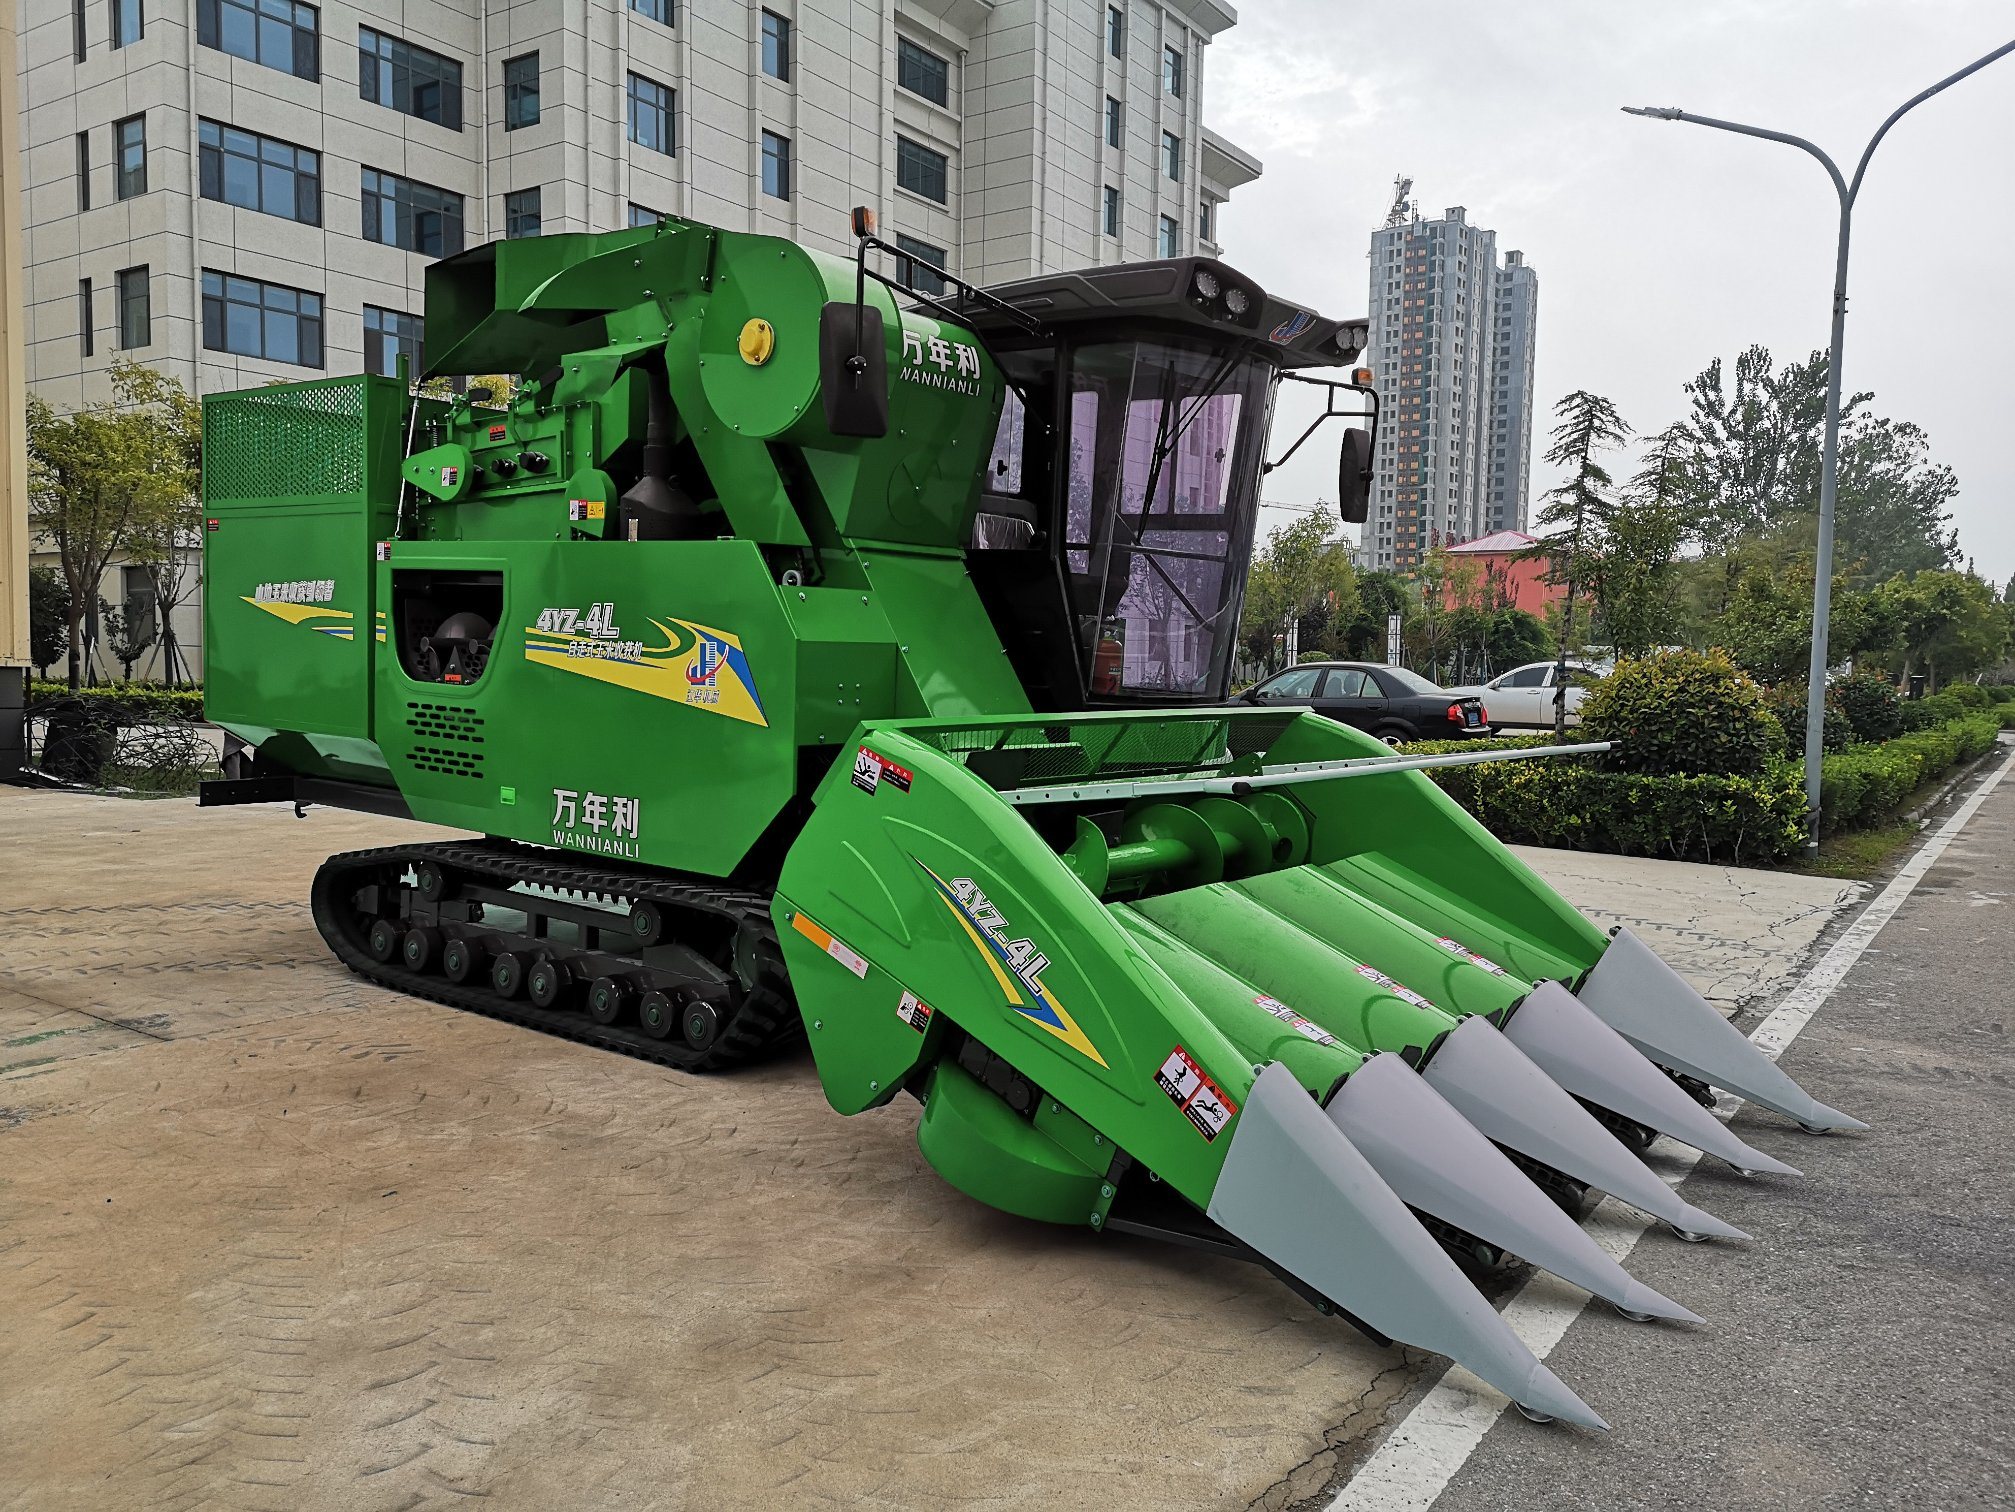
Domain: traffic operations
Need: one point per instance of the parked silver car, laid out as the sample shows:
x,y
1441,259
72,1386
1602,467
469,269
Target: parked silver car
x,y
1523,698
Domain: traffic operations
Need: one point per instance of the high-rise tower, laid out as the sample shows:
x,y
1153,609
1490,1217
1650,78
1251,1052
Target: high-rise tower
x,y
1452,345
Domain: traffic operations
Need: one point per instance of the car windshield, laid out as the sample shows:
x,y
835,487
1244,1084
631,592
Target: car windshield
x,y
1412,682
1163,457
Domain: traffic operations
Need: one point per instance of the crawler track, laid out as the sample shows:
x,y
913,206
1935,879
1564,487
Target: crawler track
x,y
713,948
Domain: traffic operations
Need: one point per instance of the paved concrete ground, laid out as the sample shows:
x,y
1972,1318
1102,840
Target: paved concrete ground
x,y
1859,1355
270,1237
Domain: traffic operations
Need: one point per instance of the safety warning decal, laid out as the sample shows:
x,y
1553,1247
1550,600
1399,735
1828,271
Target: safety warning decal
x,y
914,1011
1407,994
1200,1098
872,770
587,509
838,949
496,433
1295,1021
1457,948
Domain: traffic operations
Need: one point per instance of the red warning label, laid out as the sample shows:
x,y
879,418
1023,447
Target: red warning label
x,y
1202,1100
914,1011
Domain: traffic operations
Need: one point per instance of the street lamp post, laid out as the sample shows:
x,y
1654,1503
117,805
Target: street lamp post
x,y
1822,574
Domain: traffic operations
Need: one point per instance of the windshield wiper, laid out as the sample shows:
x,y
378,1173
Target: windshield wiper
x,y
1165,442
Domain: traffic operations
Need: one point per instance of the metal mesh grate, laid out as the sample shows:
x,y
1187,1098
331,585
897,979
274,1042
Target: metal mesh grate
x,y
304,441
1073,751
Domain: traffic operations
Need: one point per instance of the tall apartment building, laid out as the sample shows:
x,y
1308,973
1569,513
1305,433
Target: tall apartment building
x,y
244,191
1452,345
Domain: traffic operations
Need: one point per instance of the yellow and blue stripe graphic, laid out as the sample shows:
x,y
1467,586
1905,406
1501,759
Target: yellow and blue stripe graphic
x,y
339,627
1025,991
694,664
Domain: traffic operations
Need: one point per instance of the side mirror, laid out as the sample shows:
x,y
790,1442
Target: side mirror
x,y
854,370
1353,477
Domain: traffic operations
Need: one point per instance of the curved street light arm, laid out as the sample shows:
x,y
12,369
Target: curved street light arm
x,y
1912,103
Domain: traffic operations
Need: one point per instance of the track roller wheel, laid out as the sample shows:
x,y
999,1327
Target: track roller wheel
x,y
430,881
546,982
420,948
383,940
647,923
700,1024
461,961
609,999
657,1015
507,973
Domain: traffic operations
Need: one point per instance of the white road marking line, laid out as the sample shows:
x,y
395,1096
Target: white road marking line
x,y
1413,1466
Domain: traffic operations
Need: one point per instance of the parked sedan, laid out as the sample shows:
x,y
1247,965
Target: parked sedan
x,y
1390,702
1523,697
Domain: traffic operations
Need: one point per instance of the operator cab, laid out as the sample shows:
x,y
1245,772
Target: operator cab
x,y
1115,520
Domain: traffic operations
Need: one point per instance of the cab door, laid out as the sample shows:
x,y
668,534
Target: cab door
x,y
1350,696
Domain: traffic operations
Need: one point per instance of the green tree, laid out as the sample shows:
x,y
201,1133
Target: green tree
x,y
48,618
1949,624
100,474
1512,638
1633,565
1767,625
167,541
1298,577
1587,425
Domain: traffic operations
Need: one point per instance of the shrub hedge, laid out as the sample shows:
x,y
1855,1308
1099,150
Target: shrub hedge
x,y
1787,707
1872,705
1571,803
126,703
1687,712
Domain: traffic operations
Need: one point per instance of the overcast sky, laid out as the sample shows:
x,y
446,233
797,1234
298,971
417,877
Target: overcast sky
x,y
1658,245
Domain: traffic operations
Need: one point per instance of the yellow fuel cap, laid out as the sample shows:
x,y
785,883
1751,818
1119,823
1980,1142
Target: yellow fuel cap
x,y
758,340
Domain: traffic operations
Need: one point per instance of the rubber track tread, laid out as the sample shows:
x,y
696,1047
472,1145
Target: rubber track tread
x,y
765,1020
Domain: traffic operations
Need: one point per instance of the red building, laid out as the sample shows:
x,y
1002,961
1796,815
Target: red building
x,y
1508,575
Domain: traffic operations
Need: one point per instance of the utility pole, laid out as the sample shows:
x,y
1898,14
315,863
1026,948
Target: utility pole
x,y
1567,622
13,423
1822,574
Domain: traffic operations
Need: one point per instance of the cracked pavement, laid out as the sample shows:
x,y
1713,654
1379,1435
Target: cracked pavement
x,y
271,1237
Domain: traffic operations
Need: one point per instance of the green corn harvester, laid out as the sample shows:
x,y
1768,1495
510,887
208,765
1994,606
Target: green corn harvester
x,y
824,662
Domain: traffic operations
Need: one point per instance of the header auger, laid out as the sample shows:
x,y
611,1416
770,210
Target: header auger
x,y
822,663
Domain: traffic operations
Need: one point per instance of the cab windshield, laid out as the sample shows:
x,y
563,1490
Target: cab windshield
x,y
1162,490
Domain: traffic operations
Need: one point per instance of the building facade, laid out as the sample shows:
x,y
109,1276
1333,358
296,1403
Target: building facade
x,y
240,192
1452,337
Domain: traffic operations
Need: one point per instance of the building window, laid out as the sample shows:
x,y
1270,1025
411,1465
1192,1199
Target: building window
x,y
83,171
259,173
390,335
128,26
521,214
521,91
776,45
77,37
280,34
1115,31
250,318
660,11
642,215
142,605
920,170
400,212
1204,216
776,165
136,310
915,263
411,80
129,157
1171,70
1171,155
1169,232
84,330
922,72
1110,215
652,123
1114,120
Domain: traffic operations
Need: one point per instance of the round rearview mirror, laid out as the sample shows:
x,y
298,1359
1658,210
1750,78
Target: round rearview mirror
x,y
1353,480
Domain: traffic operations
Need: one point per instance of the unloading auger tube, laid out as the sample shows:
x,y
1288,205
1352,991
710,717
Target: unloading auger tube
x,y
815,660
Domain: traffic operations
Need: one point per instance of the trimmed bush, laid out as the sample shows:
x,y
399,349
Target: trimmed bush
x,y
1685,713
1937,709
1972,695
126,703
1872,705
1866,784
1787,707
1572,805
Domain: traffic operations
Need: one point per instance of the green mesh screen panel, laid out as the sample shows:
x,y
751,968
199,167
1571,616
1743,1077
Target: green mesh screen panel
x,y
297,441
1097,751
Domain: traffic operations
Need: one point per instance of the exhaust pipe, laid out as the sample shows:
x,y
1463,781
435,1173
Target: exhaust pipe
x,y
1296,1189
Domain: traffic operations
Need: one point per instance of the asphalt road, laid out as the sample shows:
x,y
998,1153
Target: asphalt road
x,y
1861,1352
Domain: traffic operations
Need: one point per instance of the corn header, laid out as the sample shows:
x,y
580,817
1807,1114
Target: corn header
x,y
823,660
